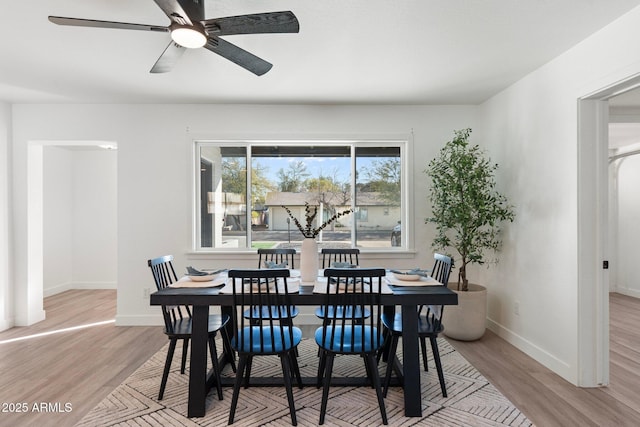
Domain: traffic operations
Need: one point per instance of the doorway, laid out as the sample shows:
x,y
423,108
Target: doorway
x,y
594,233
31,301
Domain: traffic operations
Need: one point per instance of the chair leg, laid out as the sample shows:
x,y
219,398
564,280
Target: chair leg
x,y
185,348
393,345
242,360
376,382
167,367
216,367
383,351
423,346
286,374
248,369
228,350
322,363
327,382
367,369
436,358
295,368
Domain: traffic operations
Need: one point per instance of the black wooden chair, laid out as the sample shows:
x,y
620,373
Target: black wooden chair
x,y
339,258
351,334
429,326
333,257
269,256
177,325
263,336
275,258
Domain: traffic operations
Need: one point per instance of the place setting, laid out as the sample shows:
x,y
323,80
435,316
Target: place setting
x,y
410,278
195,278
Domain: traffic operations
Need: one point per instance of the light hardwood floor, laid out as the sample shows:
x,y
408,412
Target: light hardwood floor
x,y
548,400
81,367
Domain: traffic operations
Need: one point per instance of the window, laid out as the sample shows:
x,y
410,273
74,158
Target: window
x,y
240,207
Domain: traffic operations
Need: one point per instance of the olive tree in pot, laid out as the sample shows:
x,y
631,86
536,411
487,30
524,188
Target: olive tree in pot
x,y
467,212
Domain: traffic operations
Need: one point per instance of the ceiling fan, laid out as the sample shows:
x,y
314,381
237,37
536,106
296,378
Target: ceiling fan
x,y
189,29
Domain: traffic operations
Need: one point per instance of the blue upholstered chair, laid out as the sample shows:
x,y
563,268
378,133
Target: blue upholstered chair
x,y
255,335
347,332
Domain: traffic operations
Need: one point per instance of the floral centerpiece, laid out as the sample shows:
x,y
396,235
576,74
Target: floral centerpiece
x,y
310,214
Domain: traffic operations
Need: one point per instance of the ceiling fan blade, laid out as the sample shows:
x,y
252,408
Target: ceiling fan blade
x,y
77,22
259,23
183,12
238,55
168,59
194,9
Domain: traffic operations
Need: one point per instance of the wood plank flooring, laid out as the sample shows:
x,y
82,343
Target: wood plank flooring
x,y
82,366
79,367
548,400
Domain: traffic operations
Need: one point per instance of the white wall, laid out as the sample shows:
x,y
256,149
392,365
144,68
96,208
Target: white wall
x,y
80,219
6,290
58,220
95,219
628,208
532,131
155,170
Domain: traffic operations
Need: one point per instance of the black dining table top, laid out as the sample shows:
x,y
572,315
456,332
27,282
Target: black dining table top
x,y
402,295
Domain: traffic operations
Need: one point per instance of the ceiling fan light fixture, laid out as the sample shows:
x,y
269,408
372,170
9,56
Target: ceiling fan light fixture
x,y
189,37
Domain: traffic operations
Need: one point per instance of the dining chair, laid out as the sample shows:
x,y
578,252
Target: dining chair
x,y
263,336
177,325
275,258
429,326
339,258
350,334
333,256
267,257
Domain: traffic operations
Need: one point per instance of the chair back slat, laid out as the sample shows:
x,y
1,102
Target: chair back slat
x,y
341,255
277,256
257,288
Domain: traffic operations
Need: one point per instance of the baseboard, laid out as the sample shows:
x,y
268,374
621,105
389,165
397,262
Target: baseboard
x,y
32,318
6,324
77,285
54,290
628,292
535,352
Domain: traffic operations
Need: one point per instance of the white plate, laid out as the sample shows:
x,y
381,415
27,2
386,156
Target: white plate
x,y
207,278
406,277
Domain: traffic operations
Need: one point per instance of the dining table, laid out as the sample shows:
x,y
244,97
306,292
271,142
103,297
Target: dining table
x,y
407,295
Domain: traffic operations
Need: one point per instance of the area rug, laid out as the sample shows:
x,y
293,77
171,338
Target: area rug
x,y
471,401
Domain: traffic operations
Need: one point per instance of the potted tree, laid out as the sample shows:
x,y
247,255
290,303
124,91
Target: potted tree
x,y
467,212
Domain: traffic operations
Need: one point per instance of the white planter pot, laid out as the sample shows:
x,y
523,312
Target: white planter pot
x,y
309,260
467,320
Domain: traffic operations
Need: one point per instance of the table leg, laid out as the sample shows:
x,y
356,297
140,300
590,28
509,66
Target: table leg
x,y
198,363
411,362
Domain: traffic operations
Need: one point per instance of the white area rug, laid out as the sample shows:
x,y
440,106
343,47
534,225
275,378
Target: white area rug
x,y
472,400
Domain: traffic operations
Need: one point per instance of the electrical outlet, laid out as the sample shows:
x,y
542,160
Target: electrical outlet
x,y
516,308
146,292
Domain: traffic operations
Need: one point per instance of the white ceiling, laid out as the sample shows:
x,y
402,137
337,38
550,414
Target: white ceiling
x,y
347,52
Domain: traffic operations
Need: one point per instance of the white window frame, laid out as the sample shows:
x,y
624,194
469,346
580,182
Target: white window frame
x,y
404,143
